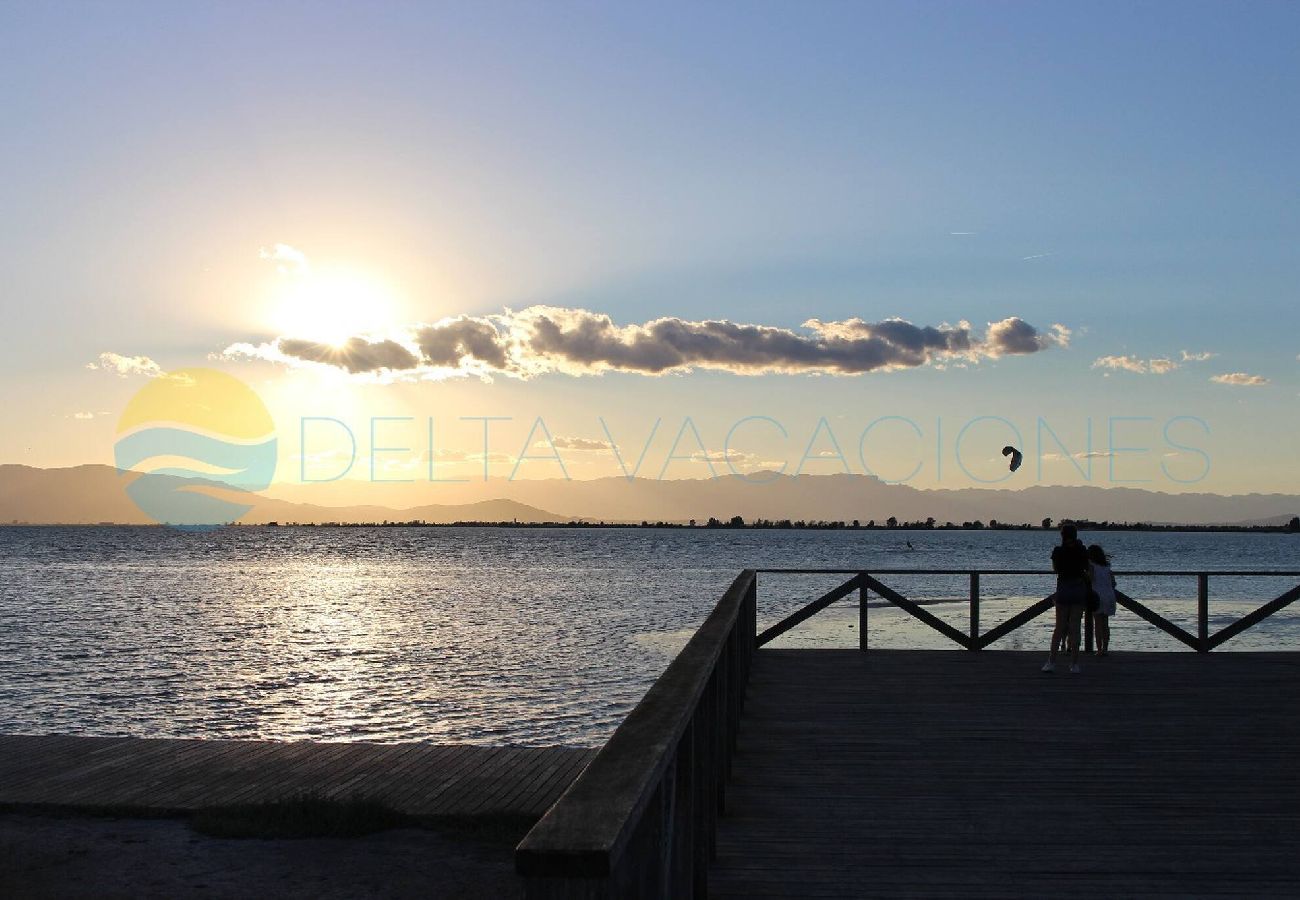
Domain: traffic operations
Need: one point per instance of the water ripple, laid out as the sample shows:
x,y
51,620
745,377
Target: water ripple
x,y
478,635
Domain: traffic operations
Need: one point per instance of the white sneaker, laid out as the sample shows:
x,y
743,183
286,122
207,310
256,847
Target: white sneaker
x,y
1075,670
1049,666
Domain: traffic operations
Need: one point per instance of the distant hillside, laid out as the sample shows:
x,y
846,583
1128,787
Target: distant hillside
x,y
86,495
814,497
848,497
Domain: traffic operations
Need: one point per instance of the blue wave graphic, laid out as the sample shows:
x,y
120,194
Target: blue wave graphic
x,y
250,467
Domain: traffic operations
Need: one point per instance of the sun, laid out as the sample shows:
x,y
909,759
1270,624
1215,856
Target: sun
x,y
330,305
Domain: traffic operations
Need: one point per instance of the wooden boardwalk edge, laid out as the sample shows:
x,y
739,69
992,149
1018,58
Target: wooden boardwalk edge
x,y
163,777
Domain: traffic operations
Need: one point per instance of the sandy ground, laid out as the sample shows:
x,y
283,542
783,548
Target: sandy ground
x,y
45,856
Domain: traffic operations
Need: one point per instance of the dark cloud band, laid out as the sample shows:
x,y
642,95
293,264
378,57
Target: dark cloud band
x,y
544,339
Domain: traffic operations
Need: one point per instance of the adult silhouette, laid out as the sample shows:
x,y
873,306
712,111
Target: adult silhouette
x,y
1070,563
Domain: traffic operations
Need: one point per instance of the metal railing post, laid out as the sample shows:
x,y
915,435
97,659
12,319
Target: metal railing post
x,y
974,609
1203,612
862,618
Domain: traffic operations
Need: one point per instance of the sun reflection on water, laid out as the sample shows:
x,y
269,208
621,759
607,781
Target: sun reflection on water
x,y
485,636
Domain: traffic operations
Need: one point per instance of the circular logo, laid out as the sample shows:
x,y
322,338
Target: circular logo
x,y
198,439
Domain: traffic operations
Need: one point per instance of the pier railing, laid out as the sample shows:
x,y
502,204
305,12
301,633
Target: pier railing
x,y
640,820
865,582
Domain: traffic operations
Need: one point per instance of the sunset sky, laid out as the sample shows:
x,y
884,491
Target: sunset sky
x,y
660,212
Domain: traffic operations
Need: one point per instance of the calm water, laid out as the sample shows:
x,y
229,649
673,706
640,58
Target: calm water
x,y
484,635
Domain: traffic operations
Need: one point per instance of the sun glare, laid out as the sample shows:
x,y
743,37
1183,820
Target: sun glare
x,y
332,305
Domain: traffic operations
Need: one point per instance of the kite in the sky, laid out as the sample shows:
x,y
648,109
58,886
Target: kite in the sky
x,y
1016,456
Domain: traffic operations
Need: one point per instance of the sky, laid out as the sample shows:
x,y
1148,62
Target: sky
x,y
881,237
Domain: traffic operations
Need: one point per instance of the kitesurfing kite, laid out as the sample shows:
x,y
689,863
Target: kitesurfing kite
x,y
1016,456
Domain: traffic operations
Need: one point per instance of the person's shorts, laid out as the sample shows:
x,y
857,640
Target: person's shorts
x,y
1071,594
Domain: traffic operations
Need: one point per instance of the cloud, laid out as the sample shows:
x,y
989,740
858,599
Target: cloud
x,y
738,459
1158,366
1240,379
356,355
288,260
1127,363
545,339
452,340
574,443
1082,454
1039,255
1016,336
353,355
456,456
123,366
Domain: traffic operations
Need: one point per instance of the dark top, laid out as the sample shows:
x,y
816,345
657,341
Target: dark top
x,y
1070,562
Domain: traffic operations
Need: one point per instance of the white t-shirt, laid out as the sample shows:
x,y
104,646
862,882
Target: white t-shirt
x,y
1103,582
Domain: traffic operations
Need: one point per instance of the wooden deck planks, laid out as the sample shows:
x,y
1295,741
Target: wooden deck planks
x,y
945,773
155,775
559,773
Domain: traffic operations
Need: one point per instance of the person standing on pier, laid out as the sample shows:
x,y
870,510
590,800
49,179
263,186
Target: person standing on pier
x,y
1070,563
1103,582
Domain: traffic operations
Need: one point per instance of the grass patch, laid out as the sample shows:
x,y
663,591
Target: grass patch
x,y
301,816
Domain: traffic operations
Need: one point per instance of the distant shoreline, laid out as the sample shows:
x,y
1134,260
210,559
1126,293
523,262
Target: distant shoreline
x,y
761,525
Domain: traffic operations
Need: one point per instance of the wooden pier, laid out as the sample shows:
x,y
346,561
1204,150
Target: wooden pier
x,y
937,773
749,772
156,776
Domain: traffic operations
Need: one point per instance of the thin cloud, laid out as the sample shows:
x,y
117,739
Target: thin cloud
x,y
963,233
1189,356
1125,363
125,366
573,443
288,260
545,339
1039,255
1240,379
450,455
1158,366
738,459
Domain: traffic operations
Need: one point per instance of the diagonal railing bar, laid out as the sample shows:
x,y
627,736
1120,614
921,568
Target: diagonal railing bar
x,y
1011,624
1157,620
807,612
1228,632
1202,641
916,611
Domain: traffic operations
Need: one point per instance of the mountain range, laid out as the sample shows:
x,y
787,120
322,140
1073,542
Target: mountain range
x,y
96,493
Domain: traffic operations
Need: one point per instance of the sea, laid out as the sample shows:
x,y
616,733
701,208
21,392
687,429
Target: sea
x,y
528,636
